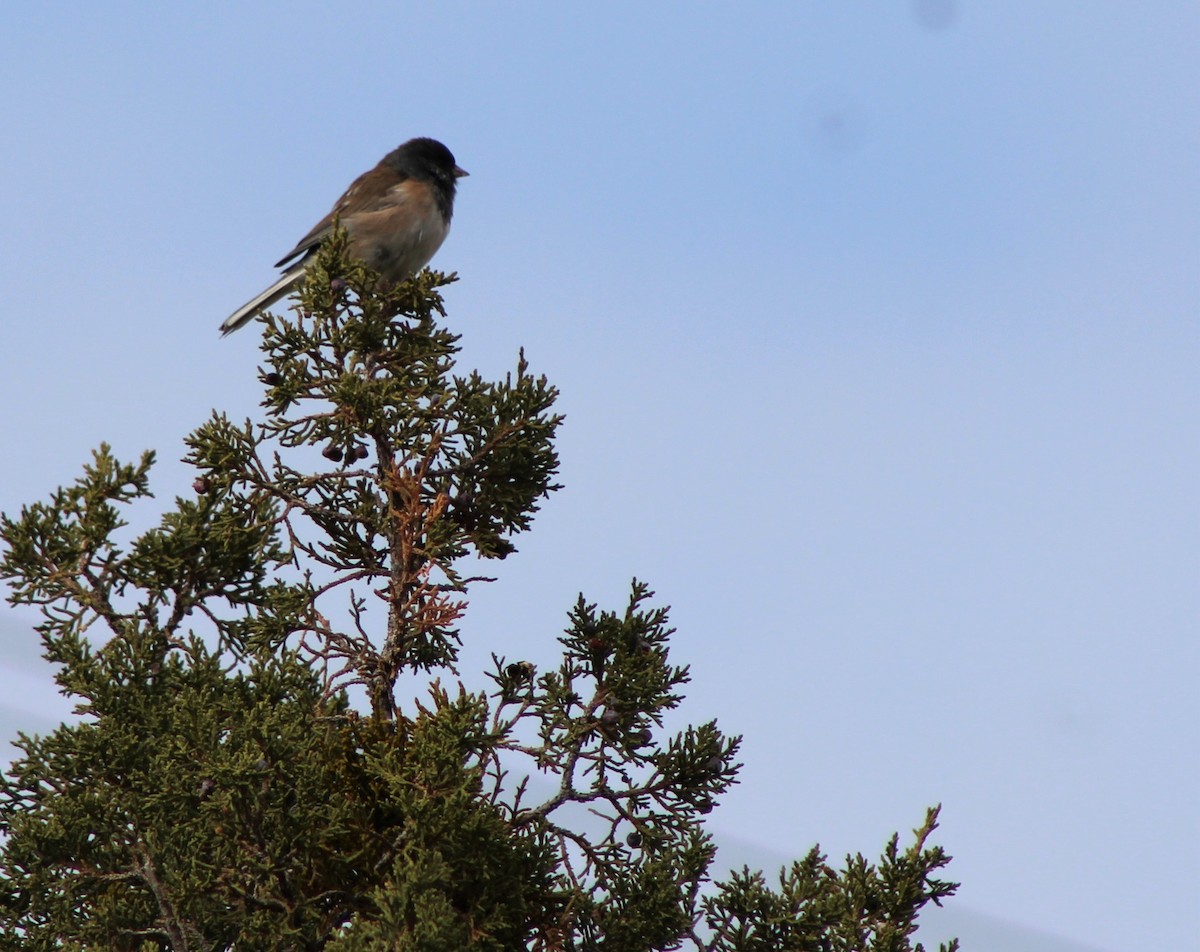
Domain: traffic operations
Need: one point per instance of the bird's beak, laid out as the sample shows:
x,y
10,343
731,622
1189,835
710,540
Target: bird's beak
x,y
460,173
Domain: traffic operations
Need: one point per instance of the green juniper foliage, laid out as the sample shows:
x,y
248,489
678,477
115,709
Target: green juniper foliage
x,y
244,771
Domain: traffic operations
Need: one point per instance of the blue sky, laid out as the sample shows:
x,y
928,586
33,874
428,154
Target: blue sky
x,y
876,327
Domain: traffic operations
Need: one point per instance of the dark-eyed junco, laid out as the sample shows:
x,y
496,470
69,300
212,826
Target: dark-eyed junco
x,y
397,215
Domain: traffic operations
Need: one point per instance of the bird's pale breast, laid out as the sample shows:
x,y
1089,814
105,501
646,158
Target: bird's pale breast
x,y
399,238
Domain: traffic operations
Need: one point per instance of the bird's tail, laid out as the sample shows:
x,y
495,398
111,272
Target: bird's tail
x,y
256,305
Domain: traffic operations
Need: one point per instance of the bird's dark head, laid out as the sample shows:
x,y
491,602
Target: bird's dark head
x,y
426,159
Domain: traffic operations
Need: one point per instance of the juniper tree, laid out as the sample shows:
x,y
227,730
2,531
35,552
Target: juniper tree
x,y
249,766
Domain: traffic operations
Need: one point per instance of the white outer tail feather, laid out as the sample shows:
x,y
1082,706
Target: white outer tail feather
x,y
260,302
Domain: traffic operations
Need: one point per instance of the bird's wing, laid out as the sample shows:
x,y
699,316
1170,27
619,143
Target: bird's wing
x,y
371,191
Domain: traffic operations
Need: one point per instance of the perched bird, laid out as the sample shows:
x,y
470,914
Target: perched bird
x,y
396,215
